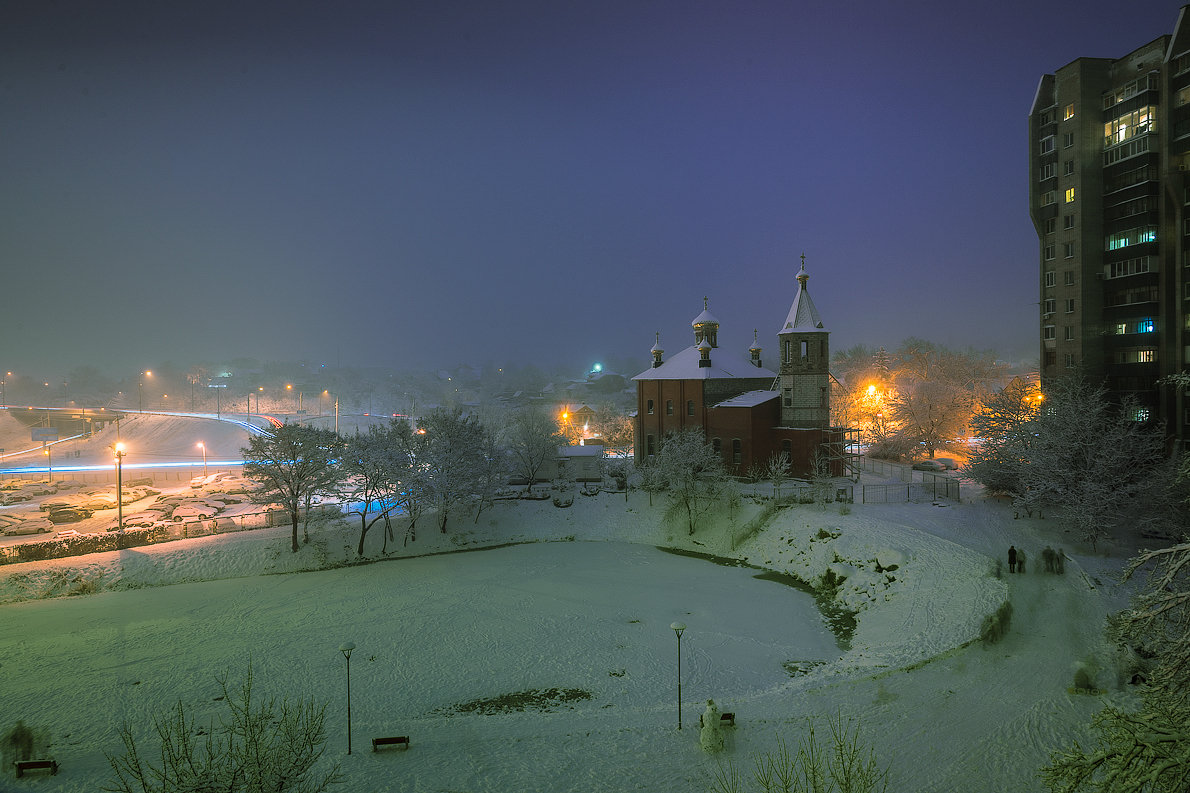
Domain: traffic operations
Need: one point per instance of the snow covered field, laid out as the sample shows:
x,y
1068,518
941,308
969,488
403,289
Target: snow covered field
x,y
591,614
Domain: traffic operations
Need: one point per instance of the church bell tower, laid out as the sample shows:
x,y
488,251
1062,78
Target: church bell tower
x,y
803,345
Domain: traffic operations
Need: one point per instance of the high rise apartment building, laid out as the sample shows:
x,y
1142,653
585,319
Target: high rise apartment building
x,y
1109,195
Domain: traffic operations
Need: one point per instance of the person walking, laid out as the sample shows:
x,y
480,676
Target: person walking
x,y
1020,561
1012,558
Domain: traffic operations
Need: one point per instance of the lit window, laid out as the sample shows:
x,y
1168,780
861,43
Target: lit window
x,y
1068,112
1069,195
1146,356
1146,325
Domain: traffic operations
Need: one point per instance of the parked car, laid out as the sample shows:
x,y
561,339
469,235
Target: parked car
x,y
193,511
928,465
143,519
66,534
34,526
69,515
949,463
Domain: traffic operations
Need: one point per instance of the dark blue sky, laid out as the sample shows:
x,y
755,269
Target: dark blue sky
x,y
422,184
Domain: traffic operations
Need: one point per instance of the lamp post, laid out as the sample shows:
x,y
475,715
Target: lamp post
x,y
202,446
49,461
678,627
120,452
346,649
140,391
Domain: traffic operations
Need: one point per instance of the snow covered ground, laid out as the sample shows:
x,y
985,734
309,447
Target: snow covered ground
x,y
581,601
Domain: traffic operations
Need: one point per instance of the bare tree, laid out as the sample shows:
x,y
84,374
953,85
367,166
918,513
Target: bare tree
x,y
289,463
451,456
695,481
370,470
532,440
261,746
776,471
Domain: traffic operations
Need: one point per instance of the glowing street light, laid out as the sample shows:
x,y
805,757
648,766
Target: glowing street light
x,y
346,649
678,627
204,457
120,452
140,391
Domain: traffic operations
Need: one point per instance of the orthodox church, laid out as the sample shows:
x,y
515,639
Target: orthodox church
x,y
747,411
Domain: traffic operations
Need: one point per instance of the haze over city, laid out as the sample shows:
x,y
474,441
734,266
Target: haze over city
x,y
402,184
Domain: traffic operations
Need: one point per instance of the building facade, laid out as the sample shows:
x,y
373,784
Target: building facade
x,y
747,411
1109,157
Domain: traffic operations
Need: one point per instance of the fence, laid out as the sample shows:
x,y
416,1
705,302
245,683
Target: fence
x,y
914,486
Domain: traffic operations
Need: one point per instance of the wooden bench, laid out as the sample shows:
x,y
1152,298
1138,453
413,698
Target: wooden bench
x,y
35,765
400,740
725,720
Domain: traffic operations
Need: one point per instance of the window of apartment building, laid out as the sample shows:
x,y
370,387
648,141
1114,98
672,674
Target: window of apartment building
x,y
1068,222
1068,168
1129,267
1068,277
1181,96
1186,226
1136,236
1049,197
1046,145
1069,195
1067,140
1139,413
1068,250
737,451
1146,325
1048,306
1146,356
1051,225
1046,116
649,407
1067,333
689,407
1129,125
1180,64
1047,253
1068,112
1068,360
1051,358
1070,305
1049,278
1047,171
1047,333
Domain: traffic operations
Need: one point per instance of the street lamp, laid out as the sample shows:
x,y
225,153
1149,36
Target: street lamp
x,y
204,457
140,391
346,649
678,627
119,449
49,461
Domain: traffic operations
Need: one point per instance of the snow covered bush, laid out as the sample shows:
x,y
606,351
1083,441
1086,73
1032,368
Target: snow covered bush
x,y
996,625
845,765
268,746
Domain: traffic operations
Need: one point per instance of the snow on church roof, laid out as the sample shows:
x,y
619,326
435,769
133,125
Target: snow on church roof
x,y
802,314
724,365
748,399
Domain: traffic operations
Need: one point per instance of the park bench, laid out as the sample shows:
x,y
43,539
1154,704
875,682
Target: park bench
x,y
399,740
725,720
35,765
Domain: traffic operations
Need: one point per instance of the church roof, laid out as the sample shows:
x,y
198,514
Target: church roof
x,y
748,399
704,318
802,314
724,365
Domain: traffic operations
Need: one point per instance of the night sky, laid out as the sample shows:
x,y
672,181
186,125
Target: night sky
x,y
423,184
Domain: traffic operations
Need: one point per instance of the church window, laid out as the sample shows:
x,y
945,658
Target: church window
x,y
689,407
669,407
788,397
737,453
787,449
651,445
650,407
805,349
788,350
717,445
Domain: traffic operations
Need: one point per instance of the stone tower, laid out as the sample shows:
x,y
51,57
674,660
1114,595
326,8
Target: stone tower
x,y
803,345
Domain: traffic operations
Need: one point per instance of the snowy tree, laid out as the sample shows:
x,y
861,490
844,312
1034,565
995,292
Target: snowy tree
x,y
612,427
492,472
1005,425
822,482
930,413
411,475
1146,750
371,466
532,440
288,464
1092,463
776,471
652,478
262,746
695,481
451,457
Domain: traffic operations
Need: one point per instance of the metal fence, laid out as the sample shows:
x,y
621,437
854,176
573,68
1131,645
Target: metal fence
x,y
914,486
